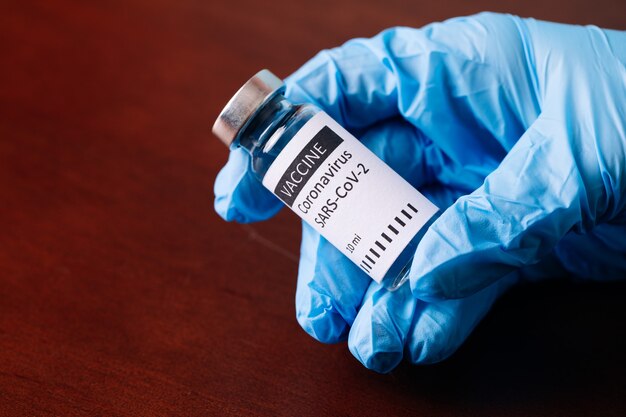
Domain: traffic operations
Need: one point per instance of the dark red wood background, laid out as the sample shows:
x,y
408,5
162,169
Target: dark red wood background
x,y
122,293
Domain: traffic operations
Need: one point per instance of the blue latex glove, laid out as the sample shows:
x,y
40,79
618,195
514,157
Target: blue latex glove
x,y
516,126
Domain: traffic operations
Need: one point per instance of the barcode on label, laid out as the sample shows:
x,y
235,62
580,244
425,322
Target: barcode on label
x,y
387,236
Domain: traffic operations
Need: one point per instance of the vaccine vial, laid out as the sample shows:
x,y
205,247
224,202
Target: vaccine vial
x,y
328,178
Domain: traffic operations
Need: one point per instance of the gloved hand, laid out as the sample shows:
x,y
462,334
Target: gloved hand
x,y
516,126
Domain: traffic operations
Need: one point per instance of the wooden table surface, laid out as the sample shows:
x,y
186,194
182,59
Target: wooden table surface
x,y
123,293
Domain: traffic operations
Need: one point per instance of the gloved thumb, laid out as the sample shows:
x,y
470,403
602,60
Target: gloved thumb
x,y
518,215
239,195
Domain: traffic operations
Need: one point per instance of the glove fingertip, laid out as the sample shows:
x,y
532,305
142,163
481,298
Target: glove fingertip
x,y
380,361
225,208
230,210
325,325
437,333
379,331
239,196
442,327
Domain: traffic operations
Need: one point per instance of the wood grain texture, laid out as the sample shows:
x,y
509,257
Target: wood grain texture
x,y
123,294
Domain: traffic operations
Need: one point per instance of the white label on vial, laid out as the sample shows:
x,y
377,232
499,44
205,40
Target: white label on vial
x,y
351,197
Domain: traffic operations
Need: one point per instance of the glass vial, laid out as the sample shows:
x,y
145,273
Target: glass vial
x,y
328,178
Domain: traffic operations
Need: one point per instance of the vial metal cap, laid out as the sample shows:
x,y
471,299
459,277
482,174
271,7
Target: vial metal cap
x,y
245,103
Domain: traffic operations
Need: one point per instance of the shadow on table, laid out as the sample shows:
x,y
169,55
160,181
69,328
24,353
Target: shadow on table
x,y
557,343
